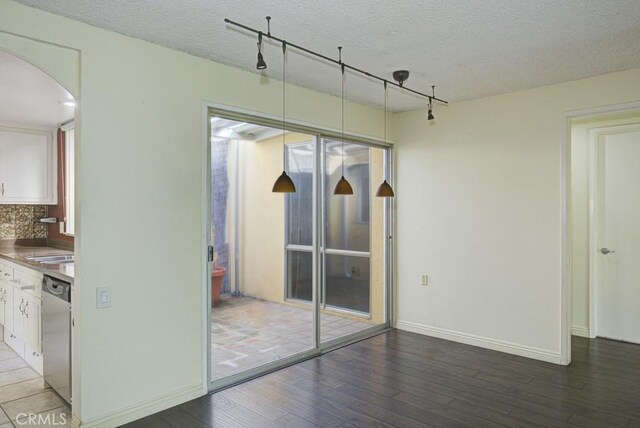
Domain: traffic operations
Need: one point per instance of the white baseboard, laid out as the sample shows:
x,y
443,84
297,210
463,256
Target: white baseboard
x,y
482,342
145,408
580,331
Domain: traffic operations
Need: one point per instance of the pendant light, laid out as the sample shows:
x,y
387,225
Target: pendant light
x,y
385,190
284,184
342,187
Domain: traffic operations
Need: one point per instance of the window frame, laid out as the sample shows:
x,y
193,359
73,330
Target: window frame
x,y
68,177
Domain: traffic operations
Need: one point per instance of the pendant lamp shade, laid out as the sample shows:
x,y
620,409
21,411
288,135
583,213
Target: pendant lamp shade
x,y
343,187
385,190
284,184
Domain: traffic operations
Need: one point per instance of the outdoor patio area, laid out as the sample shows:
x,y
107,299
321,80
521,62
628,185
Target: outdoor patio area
x,y
248,332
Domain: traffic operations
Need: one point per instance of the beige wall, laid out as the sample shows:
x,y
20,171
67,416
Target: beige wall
x,y
479,209
580,157
141,133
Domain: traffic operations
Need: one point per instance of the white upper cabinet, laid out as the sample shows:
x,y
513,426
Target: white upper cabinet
x,y
27,167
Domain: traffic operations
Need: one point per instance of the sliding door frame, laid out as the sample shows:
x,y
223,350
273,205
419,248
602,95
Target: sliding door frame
x,y
233,113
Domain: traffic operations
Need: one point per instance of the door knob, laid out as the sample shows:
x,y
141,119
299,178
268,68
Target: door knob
x,y
607,251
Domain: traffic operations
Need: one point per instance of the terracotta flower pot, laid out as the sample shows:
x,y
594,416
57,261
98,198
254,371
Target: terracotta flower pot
x,y
217,275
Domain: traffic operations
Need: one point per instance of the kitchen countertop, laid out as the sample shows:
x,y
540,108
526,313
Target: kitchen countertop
x,y
18,254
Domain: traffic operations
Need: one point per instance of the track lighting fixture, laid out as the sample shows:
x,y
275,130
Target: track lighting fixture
x,y
261,64
400,75
430,115
385,190
284,184
343,187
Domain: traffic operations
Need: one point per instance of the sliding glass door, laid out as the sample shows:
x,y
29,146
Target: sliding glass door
x,y
351,290
291,278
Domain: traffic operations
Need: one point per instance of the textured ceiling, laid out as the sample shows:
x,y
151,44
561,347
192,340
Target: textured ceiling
x,y
30,96
468,49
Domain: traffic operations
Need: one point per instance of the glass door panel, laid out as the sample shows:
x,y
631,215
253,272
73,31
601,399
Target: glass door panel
x,y
347,282
300,158
353,293
254,327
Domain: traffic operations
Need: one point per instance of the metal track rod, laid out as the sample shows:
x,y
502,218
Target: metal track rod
x,y
334,61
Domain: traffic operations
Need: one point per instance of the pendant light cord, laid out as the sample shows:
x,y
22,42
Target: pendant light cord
x,y
284,102
385,111
385,121
343,79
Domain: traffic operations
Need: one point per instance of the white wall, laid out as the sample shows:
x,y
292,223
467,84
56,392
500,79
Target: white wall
x,y
141,136
580,157
479,209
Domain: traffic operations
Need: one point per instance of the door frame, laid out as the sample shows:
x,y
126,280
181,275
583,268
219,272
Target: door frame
x,y
595,213
565,239
260,118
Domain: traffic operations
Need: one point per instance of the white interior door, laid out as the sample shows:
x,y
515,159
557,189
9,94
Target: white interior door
x,y
618,242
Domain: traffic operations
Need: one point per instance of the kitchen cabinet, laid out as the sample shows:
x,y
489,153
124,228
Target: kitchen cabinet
x,y
27,167
6,305
18,314
21,312
32,323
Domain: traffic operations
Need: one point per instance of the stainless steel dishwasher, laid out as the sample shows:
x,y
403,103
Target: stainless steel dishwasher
x,y
56,335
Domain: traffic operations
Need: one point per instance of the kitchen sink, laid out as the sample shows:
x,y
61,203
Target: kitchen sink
x,y
53,259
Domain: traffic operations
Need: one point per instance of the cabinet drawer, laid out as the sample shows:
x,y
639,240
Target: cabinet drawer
x,y
29,283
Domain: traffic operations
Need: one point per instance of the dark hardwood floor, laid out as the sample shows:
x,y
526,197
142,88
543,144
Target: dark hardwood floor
x,y
403,379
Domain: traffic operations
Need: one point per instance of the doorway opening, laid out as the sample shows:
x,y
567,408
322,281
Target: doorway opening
x,y
291,275
37,218
604,219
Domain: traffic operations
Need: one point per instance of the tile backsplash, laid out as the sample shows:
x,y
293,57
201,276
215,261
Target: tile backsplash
x,y
19,222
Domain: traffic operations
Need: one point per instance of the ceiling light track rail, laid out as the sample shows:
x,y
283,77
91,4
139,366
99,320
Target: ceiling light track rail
x,y
338,62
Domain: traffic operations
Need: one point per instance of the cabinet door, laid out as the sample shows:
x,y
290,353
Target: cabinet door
x,y
18,314
3,303
8,305
26,167
32,317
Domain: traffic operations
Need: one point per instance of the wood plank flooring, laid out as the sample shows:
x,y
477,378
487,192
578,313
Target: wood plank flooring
x,y
402,379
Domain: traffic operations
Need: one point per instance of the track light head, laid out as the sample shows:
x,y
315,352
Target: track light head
x,y
261,64
430,115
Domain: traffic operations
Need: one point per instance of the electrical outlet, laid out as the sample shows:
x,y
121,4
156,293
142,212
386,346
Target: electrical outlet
x,y
103,297
424,279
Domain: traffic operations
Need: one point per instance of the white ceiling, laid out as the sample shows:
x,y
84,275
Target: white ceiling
x,y
29,96
468,49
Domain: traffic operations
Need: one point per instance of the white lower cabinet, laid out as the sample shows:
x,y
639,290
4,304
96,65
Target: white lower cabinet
x,y
33,323
6,305
21,315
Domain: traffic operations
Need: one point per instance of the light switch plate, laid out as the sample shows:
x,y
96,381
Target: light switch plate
x,y
103,297
424,279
